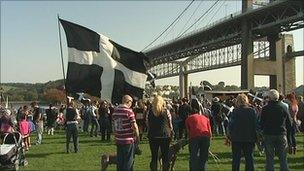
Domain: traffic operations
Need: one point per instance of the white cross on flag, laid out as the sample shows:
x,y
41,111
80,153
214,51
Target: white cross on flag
x,y
100,67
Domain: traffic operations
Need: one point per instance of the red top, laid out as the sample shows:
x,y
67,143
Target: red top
x,y
123,118
198,126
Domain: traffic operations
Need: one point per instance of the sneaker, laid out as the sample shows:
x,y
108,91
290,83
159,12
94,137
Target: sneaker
x,y
104,162
294,149
138,151
290,150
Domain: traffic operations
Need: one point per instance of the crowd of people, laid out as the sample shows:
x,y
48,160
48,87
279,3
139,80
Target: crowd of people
x,y
270,123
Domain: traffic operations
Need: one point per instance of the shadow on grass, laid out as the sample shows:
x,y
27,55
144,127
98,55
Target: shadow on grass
x,y
41,155
103,144
54,142
53,137
296,163
86,141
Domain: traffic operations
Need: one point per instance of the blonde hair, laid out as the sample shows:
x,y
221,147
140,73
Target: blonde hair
x,y
273,95
158,105
241,100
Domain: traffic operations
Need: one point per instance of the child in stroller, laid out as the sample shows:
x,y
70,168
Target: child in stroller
x,y
11,151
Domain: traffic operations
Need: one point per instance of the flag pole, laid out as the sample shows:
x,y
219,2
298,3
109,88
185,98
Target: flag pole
x,y
61,55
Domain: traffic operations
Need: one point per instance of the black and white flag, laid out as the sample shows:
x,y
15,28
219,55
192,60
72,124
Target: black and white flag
x,y
100,67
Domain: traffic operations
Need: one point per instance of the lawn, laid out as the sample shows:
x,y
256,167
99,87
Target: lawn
x,y
51,155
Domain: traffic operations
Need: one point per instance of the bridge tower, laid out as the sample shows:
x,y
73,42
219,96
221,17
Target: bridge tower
x,y
247,76
279,68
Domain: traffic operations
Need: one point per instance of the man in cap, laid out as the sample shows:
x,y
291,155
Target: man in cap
x,y
275,122
217,116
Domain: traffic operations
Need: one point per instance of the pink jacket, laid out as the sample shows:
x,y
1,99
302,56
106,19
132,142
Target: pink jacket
x,y
24,127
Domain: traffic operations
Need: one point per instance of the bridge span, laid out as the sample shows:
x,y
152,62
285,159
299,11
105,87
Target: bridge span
x,y
251,39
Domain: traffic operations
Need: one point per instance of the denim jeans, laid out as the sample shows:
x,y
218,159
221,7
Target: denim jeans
x,y
125,157
219,128
199,150
182,130
95,127
276,144
39,129
163,144
293,131
247,149
72,132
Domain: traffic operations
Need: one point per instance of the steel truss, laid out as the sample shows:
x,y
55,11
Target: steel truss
x,y
215,59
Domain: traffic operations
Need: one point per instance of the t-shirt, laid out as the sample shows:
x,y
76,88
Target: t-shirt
x,y
123,117
198,126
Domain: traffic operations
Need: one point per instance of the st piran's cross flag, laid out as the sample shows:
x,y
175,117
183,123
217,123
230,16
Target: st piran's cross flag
x,y
100,67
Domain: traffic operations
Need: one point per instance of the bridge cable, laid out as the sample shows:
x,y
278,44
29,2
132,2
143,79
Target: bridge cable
x,y
169,31
169,25
198,19
216,13
190,18
164,37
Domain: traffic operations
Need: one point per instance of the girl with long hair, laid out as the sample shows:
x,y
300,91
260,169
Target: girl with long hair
x,y
159,132
293,110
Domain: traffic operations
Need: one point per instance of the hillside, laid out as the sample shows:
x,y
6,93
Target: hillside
x,y
30,92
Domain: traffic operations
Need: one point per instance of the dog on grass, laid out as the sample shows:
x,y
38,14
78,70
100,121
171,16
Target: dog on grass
x,y
173,151
108,159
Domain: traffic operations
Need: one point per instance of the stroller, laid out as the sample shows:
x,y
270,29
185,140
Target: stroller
x,y
11,151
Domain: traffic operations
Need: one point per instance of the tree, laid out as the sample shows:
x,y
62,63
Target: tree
x,y
30,95
54,96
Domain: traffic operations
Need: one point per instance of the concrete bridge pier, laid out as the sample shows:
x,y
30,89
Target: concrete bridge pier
x,y
183,81
281,70
247,75
272,39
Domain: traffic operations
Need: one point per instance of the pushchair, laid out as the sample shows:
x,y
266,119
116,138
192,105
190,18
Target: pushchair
x,y
11,151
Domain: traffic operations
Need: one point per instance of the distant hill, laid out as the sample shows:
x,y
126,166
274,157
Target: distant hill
x,y
28,91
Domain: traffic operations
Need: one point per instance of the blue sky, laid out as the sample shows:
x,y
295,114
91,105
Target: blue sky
x,y
30,44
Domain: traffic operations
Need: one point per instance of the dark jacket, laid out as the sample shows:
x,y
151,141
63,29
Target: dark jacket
x,y
159,127
71,114
243,124
275,119
216,111
184,111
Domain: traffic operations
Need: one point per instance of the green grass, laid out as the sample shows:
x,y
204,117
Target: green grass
x,y
51,155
